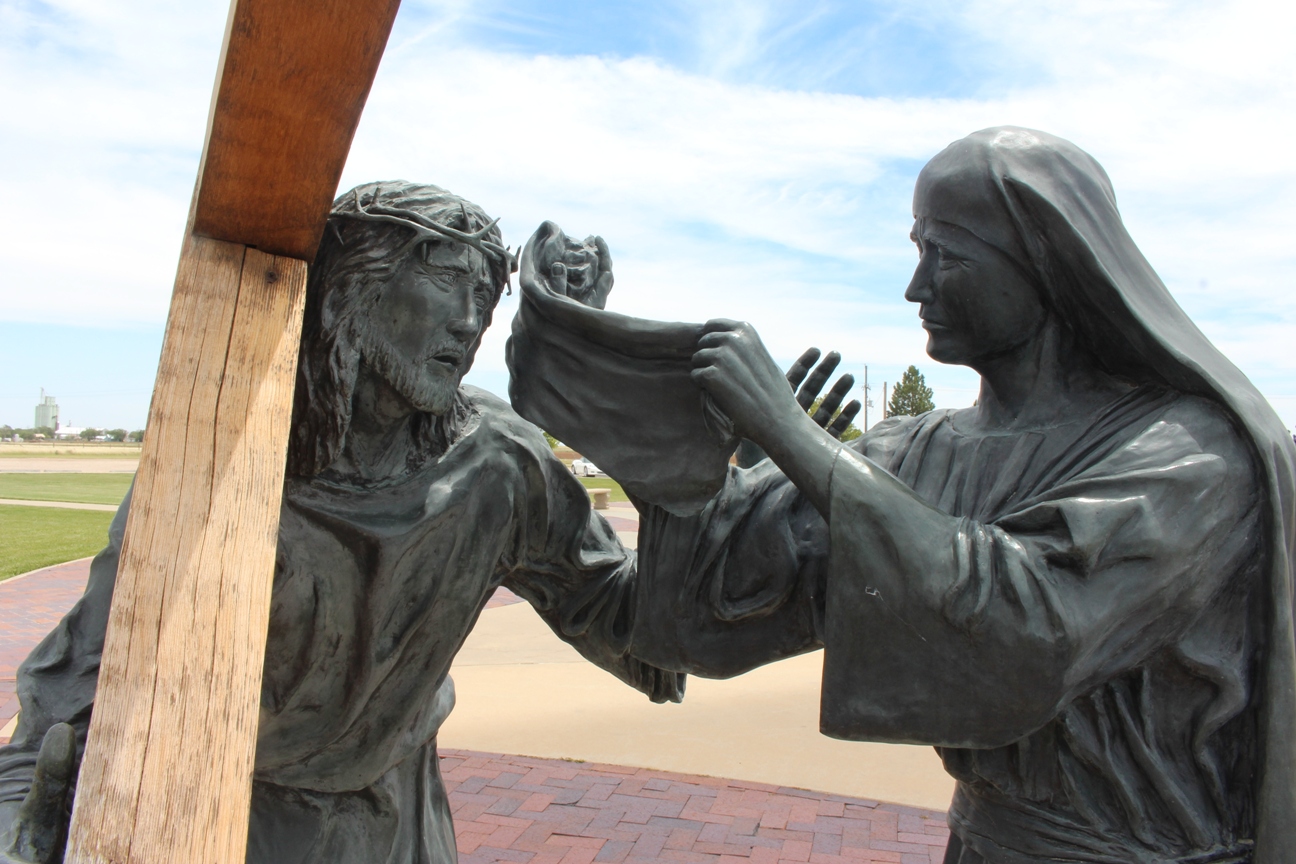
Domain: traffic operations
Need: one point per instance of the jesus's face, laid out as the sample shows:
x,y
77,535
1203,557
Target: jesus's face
x,y
422,331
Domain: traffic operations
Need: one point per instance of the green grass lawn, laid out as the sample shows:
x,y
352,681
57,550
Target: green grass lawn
x,y
77,488
617,493
32,537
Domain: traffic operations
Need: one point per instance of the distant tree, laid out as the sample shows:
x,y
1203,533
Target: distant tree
x,y
47,431
117,434
89,433
137,436
6,431
553,442
27,434
911,395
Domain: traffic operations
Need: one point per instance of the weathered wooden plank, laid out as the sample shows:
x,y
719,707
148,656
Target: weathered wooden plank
x,y
165,515
166,775
167,771
294,78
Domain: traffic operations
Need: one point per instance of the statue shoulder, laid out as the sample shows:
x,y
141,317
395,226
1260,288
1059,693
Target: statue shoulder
x,y
1204,426
898,428
484,401
498,417
886,438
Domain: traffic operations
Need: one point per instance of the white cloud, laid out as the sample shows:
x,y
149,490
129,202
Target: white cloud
x,y
105,108
727,199
718,198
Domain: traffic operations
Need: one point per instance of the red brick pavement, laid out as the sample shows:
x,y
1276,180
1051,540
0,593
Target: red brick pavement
x,y
545,811
621,516
30,605
502,597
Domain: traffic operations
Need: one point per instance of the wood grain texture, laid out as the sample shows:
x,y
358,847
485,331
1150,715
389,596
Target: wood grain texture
x,y
294,78
167,770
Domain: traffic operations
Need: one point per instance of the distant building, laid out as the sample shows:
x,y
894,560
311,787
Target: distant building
x,y
69,432
47,412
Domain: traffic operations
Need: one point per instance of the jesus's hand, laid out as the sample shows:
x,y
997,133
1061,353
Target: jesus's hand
x,y
39,828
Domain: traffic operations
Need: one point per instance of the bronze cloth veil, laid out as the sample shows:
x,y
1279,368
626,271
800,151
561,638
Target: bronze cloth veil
x,y
618,390
1049,206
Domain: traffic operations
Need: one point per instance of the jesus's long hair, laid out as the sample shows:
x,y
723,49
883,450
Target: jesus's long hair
x,y
357,256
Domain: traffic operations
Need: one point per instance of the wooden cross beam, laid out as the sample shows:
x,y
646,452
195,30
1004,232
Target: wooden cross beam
x,y
167,771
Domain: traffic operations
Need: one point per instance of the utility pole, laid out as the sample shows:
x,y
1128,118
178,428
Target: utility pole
x,y
884,400
866,399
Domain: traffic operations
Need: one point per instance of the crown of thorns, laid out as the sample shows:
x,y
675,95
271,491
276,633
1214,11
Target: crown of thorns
x,y
427,229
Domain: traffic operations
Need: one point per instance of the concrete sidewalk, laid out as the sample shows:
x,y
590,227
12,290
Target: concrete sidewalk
x,y
68,465
61,505
522,690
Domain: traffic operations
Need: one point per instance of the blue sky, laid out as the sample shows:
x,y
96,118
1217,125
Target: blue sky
x,y
743,158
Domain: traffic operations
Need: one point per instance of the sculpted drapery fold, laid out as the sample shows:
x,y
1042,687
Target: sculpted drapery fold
x,y
1063,654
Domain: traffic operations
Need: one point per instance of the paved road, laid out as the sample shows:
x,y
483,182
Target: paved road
x,y
30,605
546,811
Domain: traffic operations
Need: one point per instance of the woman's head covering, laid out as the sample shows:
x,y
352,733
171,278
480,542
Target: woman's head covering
x,y
1050,207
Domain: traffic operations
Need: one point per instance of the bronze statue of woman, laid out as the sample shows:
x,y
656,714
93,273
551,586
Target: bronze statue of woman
x,y
1079,590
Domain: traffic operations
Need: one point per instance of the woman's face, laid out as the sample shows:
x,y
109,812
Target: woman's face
x,y
975,303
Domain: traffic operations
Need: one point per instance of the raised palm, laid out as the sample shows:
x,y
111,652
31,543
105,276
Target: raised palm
x,y
810,383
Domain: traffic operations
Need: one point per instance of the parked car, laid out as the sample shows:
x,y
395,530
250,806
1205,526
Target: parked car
x,y
585,468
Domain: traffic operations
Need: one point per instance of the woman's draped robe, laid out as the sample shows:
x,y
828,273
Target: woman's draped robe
x,y
1085,666
375,590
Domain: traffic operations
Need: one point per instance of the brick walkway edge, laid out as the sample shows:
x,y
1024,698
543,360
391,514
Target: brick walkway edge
x,y
545,811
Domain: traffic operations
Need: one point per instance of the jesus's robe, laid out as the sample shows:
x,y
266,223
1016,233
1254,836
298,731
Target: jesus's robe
x,y
1084,660
375,590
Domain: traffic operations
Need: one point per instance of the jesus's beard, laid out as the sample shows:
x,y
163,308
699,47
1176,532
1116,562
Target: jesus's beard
x,y
427,389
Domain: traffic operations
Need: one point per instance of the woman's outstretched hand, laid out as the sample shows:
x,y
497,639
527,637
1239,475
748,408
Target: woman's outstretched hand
x,y
810,383
732,364
814,382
